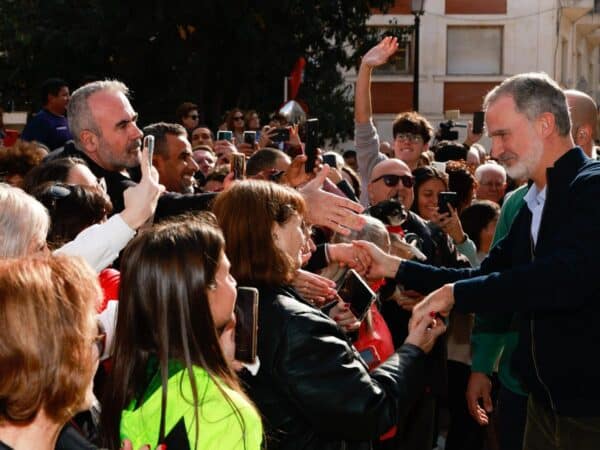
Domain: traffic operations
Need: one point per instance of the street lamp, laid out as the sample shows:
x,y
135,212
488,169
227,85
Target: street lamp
x,y
417,8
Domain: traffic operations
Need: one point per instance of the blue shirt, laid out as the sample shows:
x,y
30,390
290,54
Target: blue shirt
x,y
48,129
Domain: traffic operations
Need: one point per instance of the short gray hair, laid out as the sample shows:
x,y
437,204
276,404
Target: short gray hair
x,y
23,219
79,115
534,93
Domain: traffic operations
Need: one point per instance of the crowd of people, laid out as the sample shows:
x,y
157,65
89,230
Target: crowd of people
x,y
120,264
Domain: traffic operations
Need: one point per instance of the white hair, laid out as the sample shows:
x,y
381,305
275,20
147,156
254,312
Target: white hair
x,y
490,167
23,220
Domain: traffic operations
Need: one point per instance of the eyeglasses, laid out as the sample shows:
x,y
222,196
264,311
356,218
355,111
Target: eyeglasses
x,y
393,180
193,116
414,138
238,118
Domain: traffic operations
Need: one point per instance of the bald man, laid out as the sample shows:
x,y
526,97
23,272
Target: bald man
x,y
391,178
584,119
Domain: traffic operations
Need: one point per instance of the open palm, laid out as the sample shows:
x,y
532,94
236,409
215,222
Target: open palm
x,y
379,54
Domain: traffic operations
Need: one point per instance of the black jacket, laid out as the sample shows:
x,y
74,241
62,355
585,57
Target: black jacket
x,y
169,203
555,287
313,390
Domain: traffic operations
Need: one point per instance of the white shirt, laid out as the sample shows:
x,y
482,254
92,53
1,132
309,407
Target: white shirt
x,y
535,200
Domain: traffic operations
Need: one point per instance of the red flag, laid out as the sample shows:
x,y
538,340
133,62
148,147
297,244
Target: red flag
x,y
296,77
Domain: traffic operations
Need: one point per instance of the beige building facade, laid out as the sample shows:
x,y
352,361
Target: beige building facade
x,y
468,46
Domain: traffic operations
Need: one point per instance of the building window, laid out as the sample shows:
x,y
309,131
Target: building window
x,y
401,62
474,50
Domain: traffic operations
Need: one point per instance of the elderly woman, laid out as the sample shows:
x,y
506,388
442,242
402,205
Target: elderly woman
x,y
47,363
312,388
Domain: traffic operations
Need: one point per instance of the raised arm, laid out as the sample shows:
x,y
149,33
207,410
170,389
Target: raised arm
x,y
377,56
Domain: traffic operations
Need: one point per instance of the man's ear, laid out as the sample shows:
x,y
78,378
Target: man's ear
x,y
584,135
89,141
546,124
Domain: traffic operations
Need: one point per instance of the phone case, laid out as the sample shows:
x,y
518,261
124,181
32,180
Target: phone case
x,y
246,326
356,292
310,147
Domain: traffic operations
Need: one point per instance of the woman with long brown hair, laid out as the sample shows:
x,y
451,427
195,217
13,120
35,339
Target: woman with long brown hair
x,y
312,388
171,382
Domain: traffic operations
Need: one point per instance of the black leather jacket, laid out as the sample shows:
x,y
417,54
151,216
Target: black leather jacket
x,y
313,390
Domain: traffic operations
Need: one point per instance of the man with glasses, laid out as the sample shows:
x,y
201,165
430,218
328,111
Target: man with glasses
x,y
412,132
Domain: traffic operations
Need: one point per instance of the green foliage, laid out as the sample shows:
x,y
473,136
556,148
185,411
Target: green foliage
x,y
217,54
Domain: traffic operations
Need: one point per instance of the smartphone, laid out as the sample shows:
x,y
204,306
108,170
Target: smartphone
x,y
224,135
478,117
149,142
246,324
280,135
249,137
311,144
330,160
356,292
238,166
444,198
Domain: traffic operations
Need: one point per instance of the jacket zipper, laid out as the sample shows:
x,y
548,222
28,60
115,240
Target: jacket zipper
x,y
531,322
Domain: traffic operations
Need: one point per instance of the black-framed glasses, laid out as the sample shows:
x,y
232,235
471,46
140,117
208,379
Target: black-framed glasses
x,y
238,118
393,180
193,116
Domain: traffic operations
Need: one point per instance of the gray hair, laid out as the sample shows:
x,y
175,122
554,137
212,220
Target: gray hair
x,y
79,115
22,220
374,231
534,93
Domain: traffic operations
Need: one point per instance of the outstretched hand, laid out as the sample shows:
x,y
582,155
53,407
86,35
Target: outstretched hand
x,y
379,54
330,210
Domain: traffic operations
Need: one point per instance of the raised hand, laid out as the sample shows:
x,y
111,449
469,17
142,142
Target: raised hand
x,y
140,200
313,287
379,54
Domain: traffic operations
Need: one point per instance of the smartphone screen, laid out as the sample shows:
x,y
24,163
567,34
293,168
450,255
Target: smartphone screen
x,y
280,135
330,160
357,293
478,117
224,135
310,147
246,325
149,142
444,198
249,137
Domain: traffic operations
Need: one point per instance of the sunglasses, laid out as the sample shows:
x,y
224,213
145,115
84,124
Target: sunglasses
x,y
238,118
393,180
194,116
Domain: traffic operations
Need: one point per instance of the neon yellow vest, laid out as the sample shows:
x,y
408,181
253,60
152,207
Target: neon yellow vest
x,y
219,427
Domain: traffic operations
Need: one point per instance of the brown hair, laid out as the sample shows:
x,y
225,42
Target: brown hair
x,y
166,272
246,214
412,122
48,326
72,208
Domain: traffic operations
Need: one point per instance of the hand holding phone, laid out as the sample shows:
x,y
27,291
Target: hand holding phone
x,y
249,137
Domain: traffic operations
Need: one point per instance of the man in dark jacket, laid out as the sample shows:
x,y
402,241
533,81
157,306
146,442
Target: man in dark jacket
x,y
106,136
545,268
